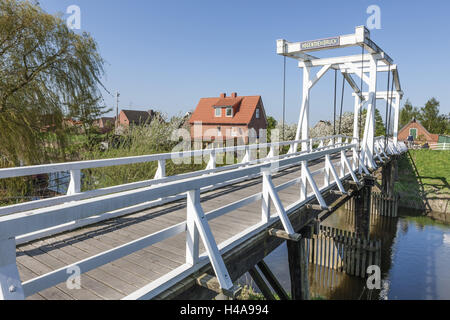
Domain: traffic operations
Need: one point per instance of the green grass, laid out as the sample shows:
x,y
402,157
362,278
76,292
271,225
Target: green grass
x,y
249,293
434,170
423,174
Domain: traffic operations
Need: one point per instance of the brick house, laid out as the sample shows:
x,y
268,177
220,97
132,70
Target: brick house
x,y
105,124
225,118
133,117
418,132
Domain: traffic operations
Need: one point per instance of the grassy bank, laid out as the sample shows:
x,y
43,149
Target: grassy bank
x,y
424,175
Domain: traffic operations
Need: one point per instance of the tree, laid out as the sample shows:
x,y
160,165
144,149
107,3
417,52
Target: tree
x,y
271,124
430,118
325,128
408,113
47,73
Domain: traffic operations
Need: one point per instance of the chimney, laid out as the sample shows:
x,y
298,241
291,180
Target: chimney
x,y
234,95
223,95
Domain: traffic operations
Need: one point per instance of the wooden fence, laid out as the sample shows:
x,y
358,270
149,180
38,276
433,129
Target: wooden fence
x,y
343,251
381,205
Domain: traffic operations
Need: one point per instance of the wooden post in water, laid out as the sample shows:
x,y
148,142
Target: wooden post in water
x,y
298,266
362,208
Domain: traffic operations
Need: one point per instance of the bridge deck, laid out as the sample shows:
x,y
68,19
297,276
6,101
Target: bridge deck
x,y
124,276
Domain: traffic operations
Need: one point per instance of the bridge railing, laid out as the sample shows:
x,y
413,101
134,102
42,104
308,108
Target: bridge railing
x,y
75,168
196,225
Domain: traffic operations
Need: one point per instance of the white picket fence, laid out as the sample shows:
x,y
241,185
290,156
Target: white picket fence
x,y
440,146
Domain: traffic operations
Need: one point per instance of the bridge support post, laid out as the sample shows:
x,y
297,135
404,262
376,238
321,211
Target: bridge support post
x,y
389,177
10,284
362,208
298,266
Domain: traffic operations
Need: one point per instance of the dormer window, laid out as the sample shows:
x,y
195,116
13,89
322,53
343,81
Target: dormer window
x,y
218,112
229,112
257,113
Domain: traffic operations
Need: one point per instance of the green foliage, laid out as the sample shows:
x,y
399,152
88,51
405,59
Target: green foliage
x,y
248,293
47,73
407,113
153,138
271,124
325,128
428,116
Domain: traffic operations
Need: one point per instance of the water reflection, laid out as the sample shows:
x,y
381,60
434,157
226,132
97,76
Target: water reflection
x,y
414,261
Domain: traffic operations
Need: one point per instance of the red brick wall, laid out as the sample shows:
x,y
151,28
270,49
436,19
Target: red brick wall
x,y
421,131
123,120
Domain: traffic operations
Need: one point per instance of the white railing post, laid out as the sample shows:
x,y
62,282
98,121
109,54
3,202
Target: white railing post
x,y
342,167
198,216
75,182
161,172
192,236
212,161
303,189
265,207
326,178
247,155
10,284
277,203
271,152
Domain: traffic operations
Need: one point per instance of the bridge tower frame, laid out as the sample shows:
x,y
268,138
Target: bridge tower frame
x,y
365,66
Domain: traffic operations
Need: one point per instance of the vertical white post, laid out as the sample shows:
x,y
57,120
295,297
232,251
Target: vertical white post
x,y
303,189
161,172
303,123
369,130
358,105
192,236
396,106
10,284
75,182
212,161
356,137
342,168
303,127
265,214
207,237
326,177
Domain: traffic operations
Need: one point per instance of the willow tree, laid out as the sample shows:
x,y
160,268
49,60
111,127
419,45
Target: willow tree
x,y
47,73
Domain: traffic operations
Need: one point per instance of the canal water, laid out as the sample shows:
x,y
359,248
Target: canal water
x,y
415,262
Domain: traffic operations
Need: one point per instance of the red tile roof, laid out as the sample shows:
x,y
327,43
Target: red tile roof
x,y
243,110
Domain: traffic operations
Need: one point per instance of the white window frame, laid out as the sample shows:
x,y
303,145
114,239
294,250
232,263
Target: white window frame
x,y
226,112
220,112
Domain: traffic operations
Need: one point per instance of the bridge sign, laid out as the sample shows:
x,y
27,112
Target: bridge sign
x,y
322,43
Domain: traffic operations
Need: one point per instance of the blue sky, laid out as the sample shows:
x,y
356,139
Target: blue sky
x,y
166,55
